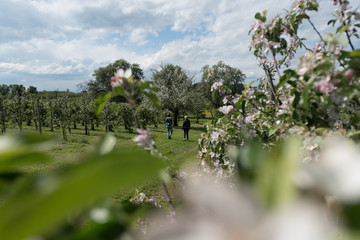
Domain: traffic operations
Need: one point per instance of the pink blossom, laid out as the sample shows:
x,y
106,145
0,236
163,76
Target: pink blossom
x,y
257,25
119,77
226,109
216,85
349,74
325,86
209,72
303,67
216,134
249,119
204,150
226,99
318,47
144,132
143,140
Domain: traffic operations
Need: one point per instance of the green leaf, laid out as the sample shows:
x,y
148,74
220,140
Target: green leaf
x,y
342,29
247,159
117,91
94,231
306,97
101,102
293,23
284,79
260,17
43,202
106,144
273,130
313,6
21,151
351,213
21,158
324,66
274,180
355,53
153,98
332,22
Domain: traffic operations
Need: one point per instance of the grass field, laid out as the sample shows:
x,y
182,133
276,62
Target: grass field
x,y
178,152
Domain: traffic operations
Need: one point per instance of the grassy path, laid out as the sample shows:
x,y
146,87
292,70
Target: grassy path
x,y
78,146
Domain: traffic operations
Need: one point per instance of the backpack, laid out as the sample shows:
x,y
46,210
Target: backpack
x,y
168,122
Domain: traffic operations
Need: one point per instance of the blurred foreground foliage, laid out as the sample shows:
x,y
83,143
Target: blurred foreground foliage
x,y
69,203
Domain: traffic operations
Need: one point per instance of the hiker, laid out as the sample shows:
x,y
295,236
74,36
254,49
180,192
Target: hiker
x,y
186,127
168,122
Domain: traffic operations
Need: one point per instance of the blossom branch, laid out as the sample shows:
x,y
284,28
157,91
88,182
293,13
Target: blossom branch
x,y
322,39
276,64
167,195
272,87
346,31
259,109
312,24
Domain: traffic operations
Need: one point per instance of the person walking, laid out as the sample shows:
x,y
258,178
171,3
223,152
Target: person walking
x,y
168,122
186,127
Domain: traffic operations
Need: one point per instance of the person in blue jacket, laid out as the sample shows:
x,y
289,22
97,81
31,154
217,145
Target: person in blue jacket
x,y
168,122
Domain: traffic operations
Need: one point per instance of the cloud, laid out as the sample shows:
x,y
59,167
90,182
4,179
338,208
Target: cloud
x,y
69,39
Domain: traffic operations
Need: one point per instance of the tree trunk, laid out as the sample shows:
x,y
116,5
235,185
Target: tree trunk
x,y
2,117
67,117
176,115
20,116
35,115
62,122
38,111
136,118
85,120
51,118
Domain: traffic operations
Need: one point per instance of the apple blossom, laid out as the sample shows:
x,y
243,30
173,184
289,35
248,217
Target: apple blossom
x,y
120,76
216,85
349,74
325,86
143,140
226,109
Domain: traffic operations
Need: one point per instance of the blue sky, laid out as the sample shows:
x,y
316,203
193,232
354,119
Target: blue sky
x,y
57,44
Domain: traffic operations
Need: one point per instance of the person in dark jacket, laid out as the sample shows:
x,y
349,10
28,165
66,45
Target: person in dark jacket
x,y
168,122
186,127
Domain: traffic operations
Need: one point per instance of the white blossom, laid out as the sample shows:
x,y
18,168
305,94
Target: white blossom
x,y
143,140
216,85
337,171
226,109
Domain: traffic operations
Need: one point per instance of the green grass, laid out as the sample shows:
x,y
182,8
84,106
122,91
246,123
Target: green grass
x,y
78,146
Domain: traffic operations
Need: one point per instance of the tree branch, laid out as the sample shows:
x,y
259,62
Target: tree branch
x,y
346,31
167,195
272,87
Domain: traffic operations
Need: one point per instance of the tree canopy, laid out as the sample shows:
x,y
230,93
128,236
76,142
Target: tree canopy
x,y
174,86
232,77
101,83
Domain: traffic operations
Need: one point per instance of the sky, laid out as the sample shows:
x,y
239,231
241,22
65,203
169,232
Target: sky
x,y
57,44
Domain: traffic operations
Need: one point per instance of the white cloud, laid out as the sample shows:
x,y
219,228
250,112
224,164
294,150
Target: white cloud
x,y
75,37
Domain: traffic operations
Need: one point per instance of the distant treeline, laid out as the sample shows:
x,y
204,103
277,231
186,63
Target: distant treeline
x,y
20,90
